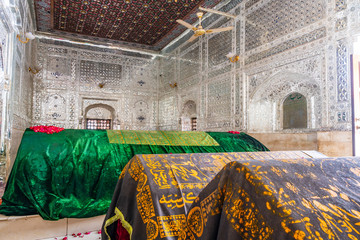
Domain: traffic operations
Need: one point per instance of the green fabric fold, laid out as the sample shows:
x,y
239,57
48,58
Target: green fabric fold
x,y
73,173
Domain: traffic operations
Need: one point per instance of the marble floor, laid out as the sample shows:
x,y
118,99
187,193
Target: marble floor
x,y
33,227
94,235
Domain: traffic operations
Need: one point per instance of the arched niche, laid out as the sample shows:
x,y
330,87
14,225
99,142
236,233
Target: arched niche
x,y
99,116
189,116
294,109
265,109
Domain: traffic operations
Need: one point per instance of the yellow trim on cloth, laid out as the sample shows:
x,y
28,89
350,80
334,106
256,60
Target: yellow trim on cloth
x,y
171,138
118,215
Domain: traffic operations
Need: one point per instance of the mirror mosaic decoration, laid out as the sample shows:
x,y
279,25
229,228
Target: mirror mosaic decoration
x,y
92,77
311,53
15,80
297,46
284,47
277,18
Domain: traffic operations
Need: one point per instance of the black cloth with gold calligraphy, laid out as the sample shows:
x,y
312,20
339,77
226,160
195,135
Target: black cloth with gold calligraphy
x,y
282,200
154,194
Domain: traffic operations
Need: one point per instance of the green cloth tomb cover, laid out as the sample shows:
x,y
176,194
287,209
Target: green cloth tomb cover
x,y
73,173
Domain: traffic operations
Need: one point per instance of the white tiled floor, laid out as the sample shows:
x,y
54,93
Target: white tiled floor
x,y
33,227
78,236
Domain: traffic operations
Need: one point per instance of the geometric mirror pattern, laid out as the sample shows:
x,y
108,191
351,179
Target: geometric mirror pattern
x,y
278,18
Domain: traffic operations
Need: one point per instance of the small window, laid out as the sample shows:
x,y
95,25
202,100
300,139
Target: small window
x,y
98,123
295,111
193,124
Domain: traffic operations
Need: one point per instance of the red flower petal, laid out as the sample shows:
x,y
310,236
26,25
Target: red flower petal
x,y
46,129
234,132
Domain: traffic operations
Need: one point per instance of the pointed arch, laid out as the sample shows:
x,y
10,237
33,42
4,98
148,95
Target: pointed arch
x,y
266,101
102,114
189,116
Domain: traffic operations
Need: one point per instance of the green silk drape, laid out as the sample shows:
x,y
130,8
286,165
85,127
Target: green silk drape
x,y
73,173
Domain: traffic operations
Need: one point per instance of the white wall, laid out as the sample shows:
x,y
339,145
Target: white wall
x,y
16,81
68,85
304,48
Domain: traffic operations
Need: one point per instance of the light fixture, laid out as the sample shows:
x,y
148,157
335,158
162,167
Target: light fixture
x,y
233,57
28,36
172,85
34,71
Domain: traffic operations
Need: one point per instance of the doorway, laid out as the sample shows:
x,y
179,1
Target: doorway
x,y
189,116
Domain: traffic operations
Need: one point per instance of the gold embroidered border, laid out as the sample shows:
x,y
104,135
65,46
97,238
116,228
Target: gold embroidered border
x,y
168,138
118,216
145,204
171,225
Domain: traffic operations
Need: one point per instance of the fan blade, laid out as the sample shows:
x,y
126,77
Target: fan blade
x,y
217,12
193,37
216,30
185,24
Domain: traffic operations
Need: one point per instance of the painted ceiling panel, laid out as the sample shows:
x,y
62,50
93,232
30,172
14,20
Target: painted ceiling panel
x,y
146,24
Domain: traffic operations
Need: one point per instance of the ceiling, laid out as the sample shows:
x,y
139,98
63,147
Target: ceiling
x,y
142,24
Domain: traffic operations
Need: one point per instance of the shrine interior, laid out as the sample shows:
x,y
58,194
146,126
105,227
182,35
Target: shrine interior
x,y
284,73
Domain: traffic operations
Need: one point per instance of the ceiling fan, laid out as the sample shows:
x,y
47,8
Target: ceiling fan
x,y
199,30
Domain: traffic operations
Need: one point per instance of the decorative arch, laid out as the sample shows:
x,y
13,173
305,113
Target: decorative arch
x,y
266,101
189,116
98,112
189,109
